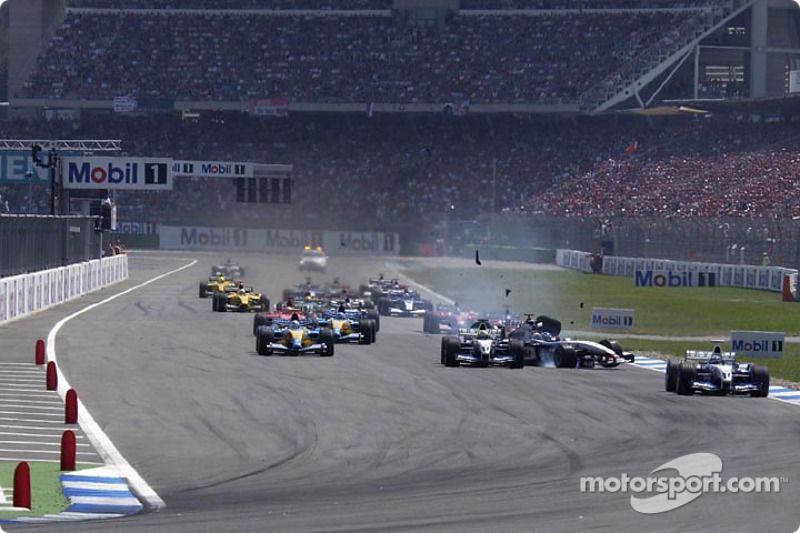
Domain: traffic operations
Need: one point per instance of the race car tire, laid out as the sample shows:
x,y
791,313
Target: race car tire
x,y
264,339
365,332
612,345
260,319
373,315
327,341
565,357
671,376
587,363
434,325
686,375
374,330
451,348
428,306
203,289
444,347
518,351
759,375
219,302
383,307
425,318
264,303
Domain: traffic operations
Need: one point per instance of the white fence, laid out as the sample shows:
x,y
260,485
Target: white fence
x,y
744,276
27,293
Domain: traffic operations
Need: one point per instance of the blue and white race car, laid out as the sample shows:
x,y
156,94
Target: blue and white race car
x,y
404,303
716,372
348,326
294,337
482,344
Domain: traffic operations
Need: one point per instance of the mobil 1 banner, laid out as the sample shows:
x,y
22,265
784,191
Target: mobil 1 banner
x,y
757,343
361,243
204,238
615,319
128,173
278,240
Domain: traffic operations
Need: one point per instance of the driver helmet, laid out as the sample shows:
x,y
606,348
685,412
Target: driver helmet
x,y
241,290
220,278
294,325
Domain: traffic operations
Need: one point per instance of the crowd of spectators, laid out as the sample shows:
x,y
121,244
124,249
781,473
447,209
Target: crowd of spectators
x,y
588,4
547,59
385,171
232,4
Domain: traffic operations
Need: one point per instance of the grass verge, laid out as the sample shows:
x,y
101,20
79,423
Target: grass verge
x,y
570,296
46,493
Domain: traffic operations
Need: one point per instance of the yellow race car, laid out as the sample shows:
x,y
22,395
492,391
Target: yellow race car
x,y
217,285
242,300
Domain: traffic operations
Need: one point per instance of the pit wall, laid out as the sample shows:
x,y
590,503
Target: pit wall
x,y
743,276
28,293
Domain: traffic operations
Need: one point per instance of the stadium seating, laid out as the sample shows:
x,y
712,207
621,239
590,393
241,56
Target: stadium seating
x,y
479,59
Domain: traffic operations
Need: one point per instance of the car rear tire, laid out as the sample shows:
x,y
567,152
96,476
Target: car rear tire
x,y
760,376
383,307
264,303
518,351
671,376
373,315
565,357
451,348
687,374
219,302
260,319
327,341
435,325
365,332
203,289
264,339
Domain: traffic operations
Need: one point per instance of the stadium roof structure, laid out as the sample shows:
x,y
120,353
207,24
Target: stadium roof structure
x,y
81,145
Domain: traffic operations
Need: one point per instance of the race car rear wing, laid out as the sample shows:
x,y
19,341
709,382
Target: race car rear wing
x,y
701,356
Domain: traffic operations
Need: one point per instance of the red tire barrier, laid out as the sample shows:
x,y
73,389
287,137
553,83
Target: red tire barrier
x,y
40,352
71,409
22,486
52,377
68,449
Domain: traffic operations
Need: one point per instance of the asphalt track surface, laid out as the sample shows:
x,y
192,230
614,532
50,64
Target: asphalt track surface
x,y
383,438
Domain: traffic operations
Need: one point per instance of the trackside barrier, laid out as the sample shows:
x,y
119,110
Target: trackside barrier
x,y
744,276
26,293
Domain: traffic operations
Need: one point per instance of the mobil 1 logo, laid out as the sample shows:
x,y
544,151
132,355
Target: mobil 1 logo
x,y
616,319
155,173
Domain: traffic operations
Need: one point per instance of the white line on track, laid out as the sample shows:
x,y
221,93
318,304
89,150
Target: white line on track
x,y
34,401
36,443
26,406
51,452
105,448
396,268
37,460
40,391
59,423
35,435
36,428
31,414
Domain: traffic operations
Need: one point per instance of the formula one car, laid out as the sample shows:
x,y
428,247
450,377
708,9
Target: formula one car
x,y
448,318
544,347
349,326
229,269
217,285
313,259
380,287
294,337
243,300
404,303
716,372
483,344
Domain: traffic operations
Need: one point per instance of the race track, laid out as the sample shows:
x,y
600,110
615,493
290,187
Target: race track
x,y
382,437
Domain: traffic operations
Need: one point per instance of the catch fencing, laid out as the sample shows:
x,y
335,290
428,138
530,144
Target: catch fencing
x,y
27,293
30,243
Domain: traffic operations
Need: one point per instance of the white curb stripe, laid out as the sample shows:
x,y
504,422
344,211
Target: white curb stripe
x,y
87,485
105,448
